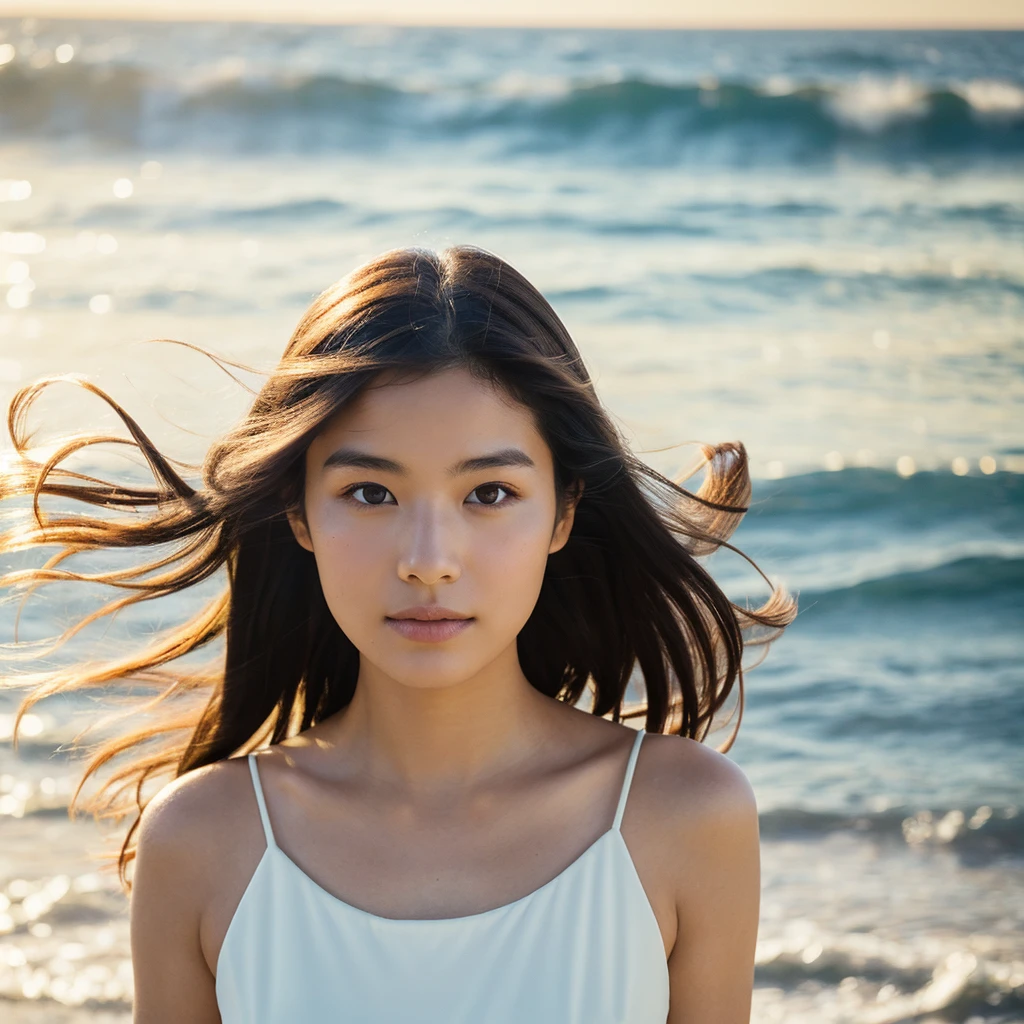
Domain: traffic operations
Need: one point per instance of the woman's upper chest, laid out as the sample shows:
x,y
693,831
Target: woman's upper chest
x,y
404,865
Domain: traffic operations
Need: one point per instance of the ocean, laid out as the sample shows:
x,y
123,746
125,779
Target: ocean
x,y
806,241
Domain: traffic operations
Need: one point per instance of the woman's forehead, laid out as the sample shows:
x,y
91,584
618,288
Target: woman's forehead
x,y
451,409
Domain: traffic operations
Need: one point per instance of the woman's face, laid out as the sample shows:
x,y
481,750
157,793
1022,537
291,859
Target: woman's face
x,y
430,508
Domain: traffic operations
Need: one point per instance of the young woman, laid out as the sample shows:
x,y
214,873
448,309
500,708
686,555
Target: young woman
x,y
406,793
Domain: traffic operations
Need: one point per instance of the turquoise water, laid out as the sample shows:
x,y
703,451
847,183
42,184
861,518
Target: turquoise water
x,y
810,242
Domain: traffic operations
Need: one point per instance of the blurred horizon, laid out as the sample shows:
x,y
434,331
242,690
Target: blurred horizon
x,y
896,15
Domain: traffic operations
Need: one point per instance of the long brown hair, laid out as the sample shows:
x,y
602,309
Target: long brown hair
x,y
625,599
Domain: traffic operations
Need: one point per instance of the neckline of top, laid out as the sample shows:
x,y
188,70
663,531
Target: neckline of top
x,y
272,848
427,921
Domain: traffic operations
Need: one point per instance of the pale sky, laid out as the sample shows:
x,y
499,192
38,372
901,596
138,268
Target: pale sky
x,y
621,13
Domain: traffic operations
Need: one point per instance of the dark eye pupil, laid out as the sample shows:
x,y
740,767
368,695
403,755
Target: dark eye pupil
x,y
488,494
374,494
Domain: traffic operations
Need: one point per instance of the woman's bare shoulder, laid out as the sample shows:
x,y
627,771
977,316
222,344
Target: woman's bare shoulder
x,y
184,826
694,818
695,786
193,836
184,809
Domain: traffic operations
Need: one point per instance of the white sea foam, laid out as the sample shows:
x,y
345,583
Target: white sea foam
x,y
993,98
872,104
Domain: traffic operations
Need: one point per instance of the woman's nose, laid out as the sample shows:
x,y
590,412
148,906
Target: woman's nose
x,y
429,552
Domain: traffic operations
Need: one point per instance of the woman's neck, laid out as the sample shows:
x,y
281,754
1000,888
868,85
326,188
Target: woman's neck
x,y
425,740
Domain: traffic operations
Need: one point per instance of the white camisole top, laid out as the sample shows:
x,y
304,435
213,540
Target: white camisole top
x,y
585,948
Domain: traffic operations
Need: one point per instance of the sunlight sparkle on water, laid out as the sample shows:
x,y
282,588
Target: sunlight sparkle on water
x,y
13,190
23,243
17,272
20,295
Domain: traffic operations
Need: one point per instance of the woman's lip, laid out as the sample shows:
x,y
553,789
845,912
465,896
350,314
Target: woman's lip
x,y
426,631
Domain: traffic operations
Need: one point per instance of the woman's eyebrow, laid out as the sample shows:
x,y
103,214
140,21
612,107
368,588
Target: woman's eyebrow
x,y
362,460
492,460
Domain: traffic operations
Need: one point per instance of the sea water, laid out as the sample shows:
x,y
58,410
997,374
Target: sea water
x,y
809,242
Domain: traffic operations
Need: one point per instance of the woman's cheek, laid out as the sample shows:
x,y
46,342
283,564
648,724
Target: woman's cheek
x,y
351,575
513,566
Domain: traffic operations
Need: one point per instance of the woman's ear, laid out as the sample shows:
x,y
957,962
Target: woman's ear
x,y
300,530
564,525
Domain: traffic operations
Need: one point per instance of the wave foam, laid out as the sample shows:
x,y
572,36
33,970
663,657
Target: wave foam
x,y
234,106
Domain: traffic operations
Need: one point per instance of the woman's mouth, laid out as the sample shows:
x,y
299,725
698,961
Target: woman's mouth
x,y
429,624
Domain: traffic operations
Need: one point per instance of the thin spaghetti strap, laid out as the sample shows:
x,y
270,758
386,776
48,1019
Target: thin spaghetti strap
x,y
264,817
621,809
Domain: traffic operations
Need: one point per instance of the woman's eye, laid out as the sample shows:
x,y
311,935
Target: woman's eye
x,y
488,494
370,494
377,494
